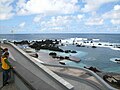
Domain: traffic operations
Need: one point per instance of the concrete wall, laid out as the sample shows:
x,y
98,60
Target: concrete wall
x,y
52,75
20,84
105,85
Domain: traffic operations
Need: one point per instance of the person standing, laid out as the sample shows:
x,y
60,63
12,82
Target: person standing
x,y
6,66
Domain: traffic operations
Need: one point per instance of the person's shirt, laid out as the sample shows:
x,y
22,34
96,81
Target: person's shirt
x,y
5,63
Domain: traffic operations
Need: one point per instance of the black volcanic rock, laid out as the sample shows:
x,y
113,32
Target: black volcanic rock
x,y
70,51
22,42
99,44
67,51
73,52
52,54
66,57
94,47
47,44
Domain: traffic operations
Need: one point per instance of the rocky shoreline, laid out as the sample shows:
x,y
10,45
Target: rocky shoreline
x,y
54,58
111,78
47,44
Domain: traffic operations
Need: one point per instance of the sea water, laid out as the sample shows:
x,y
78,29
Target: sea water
x,y
112,38
99,57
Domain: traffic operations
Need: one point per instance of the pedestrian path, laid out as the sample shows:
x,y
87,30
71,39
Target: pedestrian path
x,y
11,86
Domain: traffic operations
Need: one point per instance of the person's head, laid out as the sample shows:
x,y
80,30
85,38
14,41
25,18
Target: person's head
x,y
6,54
5,49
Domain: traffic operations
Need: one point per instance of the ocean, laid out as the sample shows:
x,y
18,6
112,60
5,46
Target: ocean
x,y
98,57
112,38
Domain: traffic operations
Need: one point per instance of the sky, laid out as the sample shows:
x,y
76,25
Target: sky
x,y
59,16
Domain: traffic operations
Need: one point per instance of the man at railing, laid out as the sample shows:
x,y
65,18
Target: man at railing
x,y
6,66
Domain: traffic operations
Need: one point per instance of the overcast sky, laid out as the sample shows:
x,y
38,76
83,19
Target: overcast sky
x,y
59,16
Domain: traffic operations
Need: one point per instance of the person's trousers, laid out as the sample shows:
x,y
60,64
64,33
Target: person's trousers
x,y
6,76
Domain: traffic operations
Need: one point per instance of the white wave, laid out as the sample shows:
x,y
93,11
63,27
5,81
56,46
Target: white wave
x,y
95,42
113,59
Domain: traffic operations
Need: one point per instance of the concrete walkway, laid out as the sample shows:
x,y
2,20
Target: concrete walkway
x,y
11,86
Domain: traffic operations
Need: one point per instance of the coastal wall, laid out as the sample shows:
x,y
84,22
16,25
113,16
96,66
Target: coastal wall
x,y
60,82
107,87
20,84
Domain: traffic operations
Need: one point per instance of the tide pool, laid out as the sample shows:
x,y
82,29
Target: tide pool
x,y
97,57
78,54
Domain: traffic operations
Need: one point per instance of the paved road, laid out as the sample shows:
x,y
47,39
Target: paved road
x,y
49,83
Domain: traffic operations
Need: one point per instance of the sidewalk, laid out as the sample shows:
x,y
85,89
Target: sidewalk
x,y
11,86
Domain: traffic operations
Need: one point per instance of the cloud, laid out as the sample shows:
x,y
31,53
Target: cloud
x,y
94,21
114,15
6,9
93,5
56,21
79,16
62,20
115,21
117,7
56,28
46,6
21,25
39,18
5,16
51,29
